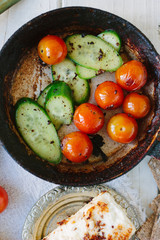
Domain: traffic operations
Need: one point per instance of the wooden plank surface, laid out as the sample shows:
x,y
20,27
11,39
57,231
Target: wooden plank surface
x,y
144,14
21,13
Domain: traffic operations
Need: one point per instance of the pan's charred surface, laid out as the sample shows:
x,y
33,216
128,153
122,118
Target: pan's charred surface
x,y
22,74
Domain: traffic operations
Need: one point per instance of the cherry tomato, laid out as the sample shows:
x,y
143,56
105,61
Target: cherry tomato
x,y
77,147
109,95
122,128
136,105
52,49
88,118
131,75
3,199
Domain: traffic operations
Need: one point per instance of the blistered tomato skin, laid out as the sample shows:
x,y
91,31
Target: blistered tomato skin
x,y
3,199
132,75
52,49
137,105
109,95
122,128
88,118
77,147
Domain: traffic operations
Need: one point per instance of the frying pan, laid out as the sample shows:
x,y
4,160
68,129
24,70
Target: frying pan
x,y
64,22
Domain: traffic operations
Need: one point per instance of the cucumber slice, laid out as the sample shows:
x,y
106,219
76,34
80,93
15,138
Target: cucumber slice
x,y
111,37
93,52
42,97
66,71
37,130
85,73
59,104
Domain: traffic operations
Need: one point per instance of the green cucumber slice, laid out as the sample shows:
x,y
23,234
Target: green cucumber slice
x,y
66,71
37,130
42,97
59,104
111,37
85,73
92,52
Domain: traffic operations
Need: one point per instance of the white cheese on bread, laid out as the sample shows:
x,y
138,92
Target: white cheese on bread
x,y
100,219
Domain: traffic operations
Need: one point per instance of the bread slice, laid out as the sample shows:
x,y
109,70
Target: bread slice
x,y
154,165
145,231
102,218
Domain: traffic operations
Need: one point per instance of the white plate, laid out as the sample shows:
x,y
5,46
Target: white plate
x,y
62,202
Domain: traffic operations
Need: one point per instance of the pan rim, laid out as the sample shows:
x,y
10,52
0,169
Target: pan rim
x,y
156,129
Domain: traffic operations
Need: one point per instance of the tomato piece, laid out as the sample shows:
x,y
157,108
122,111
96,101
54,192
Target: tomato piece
x,y
137,105
122,128
88,118
77,147
109,95
131,75
3,199
52,49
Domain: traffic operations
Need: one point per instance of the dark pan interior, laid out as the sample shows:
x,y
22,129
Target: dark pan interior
x,y
63,22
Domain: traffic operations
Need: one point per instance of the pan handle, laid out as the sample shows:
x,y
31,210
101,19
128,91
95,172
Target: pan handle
x,y
155,149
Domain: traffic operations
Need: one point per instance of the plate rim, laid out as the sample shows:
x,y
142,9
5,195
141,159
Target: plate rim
x,y
59,192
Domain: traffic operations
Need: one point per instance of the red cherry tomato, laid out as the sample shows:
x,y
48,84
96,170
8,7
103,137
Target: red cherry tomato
x,y
109,95
77,147
131,75
3,199
136,105
88,118
122,128
52,49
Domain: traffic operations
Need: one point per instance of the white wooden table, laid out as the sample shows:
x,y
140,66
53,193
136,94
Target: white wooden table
x,y
144,14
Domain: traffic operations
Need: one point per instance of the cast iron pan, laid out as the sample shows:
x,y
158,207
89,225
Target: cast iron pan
x,y
63,22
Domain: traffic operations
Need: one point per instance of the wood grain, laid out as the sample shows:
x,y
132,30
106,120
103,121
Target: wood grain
x,y
143,14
